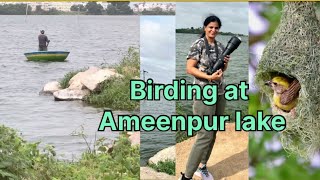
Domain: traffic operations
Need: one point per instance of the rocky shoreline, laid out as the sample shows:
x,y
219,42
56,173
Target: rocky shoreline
x,y
147,173
80,85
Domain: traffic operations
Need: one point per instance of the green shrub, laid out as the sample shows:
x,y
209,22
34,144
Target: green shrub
x,y
130,64
115,92
121,163
167,166
22,160
19,159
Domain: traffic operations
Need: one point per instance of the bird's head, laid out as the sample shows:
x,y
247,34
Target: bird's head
x,y
279,84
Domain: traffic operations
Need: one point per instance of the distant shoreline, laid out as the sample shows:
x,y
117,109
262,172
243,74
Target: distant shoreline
x,y
90,8
221,33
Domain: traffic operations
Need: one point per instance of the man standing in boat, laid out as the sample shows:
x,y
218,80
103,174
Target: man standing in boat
x,y
43,41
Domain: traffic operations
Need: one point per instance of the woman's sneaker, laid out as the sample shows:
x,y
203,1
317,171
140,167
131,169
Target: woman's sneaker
x,y
204,173
184,177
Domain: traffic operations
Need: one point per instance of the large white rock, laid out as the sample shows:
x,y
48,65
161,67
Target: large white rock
x,y
76,81
165,154
51,87
77,85
81,75
93,81
70,94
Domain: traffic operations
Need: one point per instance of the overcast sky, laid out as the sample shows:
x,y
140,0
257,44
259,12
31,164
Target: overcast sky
x,y
233,15
158,48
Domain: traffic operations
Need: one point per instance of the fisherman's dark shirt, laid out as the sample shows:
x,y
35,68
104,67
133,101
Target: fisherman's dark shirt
x,y
43,39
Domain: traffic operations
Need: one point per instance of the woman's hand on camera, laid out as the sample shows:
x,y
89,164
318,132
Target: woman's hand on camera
x,y
226,61
216,76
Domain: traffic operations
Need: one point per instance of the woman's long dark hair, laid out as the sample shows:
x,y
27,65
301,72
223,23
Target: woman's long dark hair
x,y
212,18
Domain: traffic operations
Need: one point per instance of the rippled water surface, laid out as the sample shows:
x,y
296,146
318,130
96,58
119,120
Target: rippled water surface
x,y
154,141
92,41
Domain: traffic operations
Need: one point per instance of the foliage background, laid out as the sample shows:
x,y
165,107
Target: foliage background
x,y
22,160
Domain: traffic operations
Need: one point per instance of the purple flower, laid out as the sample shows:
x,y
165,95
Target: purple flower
x,y
315,161
257,24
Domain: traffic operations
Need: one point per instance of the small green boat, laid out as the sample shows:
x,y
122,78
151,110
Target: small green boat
x,y
47,56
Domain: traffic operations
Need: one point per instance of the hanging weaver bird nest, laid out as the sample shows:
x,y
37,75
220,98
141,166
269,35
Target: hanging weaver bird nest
x,y
294,52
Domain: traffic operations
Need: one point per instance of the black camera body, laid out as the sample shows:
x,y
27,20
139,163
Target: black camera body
x,y
232,45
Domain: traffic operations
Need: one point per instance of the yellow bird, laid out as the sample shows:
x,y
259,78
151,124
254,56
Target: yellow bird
x,y
279,85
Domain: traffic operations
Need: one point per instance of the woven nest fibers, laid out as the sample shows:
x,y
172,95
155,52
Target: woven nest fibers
x,y
294,51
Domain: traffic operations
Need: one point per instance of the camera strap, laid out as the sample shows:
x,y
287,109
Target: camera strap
x,y
211,61
208,49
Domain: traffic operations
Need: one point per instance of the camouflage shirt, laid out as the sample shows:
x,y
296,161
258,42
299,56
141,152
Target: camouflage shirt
x,y
198,52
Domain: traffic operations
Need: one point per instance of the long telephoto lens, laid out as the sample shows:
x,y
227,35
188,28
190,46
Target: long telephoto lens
x,y
232,45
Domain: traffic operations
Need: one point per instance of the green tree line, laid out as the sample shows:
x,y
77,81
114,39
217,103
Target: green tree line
x,y
199,30
14,9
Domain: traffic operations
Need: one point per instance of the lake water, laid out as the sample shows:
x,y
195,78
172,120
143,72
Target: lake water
x,y
237,69
92,41
157,49
154,141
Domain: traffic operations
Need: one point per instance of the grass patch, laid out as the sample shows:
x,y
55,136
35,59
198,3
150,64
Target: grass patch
x,y
115,92
167,166
22,160
130,64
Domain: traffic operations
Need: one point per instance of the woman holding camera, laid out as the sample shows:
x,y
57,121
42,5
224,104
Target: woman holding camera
x,y
203,54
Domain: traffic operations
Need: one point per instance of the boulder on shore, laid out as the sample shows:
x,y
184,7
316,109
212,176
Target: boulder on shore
x,y
80,84
163,155
93,81
76,81
70,94
51,87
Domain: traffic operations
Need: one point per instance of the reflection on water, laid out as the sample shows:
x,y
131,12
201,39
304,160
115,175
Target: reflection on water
x,y
92,41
